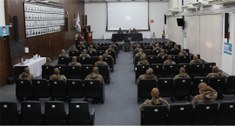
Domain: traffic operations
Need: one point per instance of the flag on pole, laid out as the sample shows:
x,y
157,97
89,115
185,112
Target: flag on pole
x,y
77,25
163,34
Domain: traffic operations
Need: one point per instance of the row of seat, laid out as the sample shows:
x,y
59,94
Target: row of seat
x,y
42,88
185,114
183,88
54,113
172,70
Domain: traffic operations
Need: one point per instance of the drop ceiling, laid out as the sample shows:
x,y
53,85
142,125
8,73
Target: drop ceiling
x,y
87,1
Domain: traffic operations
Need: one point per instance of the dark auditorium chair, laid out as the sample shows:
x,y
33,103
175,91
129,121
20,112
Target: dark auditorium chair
x,y
113,54
47,71
183,59
63,60
86,69
144,89
226,114
230,85
186,66
161,59
182,88
205,114
100,52
157,69
166,87
63,69
208,68
104,71
196,70
94,59
218,83
18,70
140,69
74,72
80,114
196,81
154,115
94,89
75,88
41,88
31,113
152,59
175,58
58,89
180,114
73,53
109,61
170,70
85,60
24,90
9,114
54,113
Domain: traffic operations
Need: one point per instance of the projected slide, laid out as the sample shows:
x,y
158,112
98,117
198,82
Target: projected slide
x,y
127,15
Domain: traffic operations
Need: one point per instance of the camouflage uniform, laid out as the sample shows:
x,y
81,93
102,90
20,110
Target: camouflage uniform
x,y
49,64
64,55
95,76
169,62
161,54
101,63
107,55
219,74
143,62
146,77
26,76
182,75
84,56
183,53
58,77
198,61
75,64
154,102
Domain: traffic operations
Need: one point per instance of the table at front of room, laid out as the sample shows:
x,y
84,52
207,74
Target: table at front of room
x,y
127,37
35,65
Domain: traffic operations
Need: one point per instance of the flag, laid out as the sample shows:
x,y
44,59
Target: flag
x,y
77,25
163,34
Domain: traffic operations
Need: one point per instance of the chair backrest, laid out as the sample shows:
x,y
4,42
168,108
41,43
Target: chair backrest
x,y
182,87
93,89
218,83
63,60
208,67
226,114
196,81
18,70
58,89
79,113
9,113
166,86
170,70
157,69
180,114
47,71
140,69
24,89
109,61
41,88
31,113
152,59
54,113
63,69
184,59
175,58
104,71
196,70
154,115
75,88
186,66
230,85
205,114
73,53
86,69
74,72
145,87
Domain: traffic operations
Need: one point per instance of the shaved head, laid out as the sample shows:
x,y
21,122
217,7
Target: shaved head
x,y
155,92
149,71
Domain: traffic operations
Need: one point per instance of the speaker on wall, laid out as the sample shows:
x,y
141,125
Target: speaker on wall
x,y
66,24
15,27
226,26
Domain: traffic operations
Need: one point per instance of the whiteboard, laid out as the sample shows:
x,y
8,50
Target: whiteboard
x,y
2,13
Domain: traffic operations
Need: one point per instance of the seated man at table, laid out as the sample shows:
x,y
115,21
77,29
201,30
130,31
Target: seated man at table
x,y
155,101
120,31
74,62
64,54
49,62
26,75
57,76
149,75
182,74
95,75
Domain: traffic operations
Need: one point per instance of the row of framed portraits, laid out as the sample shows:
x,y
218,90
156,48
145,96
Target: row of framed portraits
x,y
32,7
39,24
42,31
40,16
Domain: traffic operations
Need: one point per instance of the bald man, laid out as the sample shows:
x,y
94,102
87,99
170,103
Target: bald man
x,y
149,75
95,75
26,75
57,76
182,74
215,72
156,100
207,94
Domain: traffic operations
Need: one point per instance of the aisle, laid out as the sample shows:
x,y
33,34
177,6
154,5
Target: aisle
x,y
120,107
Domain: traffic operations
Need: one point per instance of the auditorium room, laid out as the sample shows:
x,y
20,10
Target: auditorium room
x,y
117,62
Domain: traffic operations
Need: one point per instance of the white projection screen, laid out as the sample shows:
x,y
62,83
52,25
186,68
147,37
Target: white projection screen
x,y
2,13
127,15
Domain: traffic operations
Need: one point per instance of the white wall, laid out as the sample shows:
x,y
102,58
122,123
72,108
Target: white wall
x,y
96,17
233,41
2,13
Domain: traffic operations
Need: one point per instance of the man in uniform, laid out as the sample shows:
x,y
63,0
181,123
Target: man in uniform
x,y
156,100
74,62
169,61
182,74
143,61
215,72
26,75
106,55
140,53
95,75
101,62
57,76
84,54
64,54
120,31
207,94
49,62
161,53
195,60
147,76
183,53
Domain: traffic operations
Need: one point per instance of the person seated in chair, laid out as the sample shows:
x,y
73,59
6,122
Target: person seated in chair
x,y
84,54
106,55
182,74
101,62
111,48
162,53
143,61
175,49
75,62
169,61
95,75
81,46
195,60
49,62
26,75
215,72
183,53
156,48
155,101
91,50
206,94
120,31
57,76
74,48
140,53
149,75
64,54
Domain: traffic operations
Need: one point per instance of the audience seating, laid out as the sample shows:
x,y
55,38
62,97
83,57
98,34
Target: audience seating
x,y
104,71
41,88
18,70
230,85
166,87
74,53
47,71
86,70
63,60
208,67
94,89
226,114
109,61
74,72
58,89
196,81
218,83
140,69
9,113
196,70
182,88
75,88
24,90
183,59
170,70
63,69
79,114
144,89
158,69
152,59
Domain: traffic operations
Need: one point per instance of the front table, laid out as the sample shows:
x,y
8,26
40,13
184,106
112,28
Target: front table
x,y
35,65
